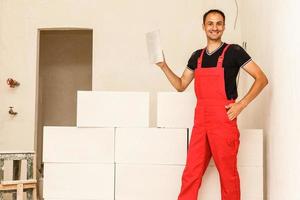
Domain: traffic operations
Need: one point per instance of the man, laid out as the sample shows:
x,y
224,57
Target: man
x,y
215,132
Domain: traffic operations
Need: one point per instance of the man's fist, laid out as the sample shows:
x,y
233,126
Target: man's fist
x,y
163,63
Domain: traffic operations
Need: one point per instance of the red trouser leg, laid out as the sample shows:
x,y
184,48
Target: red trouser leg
x,y
198,157
224,144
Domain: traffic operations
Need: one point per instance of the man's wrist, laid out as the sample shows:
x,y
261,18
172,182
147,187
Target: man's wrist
x,y
244,103
164,65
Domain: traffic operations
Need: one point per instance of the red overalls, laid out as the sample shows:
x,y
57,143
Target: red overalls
x,y
213,135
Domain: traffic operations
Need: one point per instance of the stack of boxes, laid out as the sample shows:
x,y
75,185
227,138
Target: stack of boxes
x,y
78,163
149,163
113,154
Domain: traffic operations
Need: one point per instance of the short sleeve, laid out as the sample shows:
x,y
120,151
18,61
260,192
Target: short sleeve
x,y
241,56
192,63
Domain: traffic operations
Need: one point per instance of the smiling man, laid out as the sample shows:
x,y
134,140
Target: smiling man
x,y
215,132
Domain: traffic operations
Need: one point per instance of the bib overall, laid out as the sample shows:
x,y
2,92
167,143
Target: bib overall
x,y
213,135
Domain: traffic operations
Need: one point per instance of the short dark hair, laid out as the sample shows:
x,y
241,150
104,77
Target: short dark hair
x,y
213,11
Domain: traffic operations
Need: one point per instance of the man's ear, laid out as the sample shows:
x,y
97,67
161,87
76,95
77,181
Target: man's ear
x,y
203,27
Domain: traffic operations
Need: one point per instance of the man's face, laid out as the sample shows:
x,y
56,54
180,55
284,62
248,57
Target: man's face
x,y
214,26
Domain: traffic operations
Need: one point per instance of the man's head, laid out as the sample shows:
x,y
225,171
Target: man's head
x,y
214,24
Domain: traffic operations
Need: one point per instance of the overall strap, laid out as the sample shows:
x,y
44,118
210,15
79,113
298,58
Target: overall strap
x,y
221,57
201,58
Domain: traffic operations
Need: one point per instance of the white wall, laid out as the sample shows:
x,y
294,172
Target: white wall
x,y
272,31
120,59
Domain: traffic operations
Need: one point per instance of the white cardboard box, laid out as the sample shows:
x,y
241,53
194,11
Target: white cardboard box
x,y
147,182
78,181
72,144
251,147
112,109
151,145
175,109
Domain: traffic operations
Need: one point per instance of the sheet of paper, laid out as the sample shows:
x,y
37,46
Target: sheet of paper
x,y
155,51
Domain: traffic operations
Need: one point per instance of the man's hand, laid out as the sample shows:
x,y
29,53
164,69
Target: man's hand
x,y
163,63
234,109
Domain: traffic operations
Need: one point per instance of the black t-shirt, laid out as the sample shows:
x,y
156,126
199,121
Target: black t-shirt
x,y
235,57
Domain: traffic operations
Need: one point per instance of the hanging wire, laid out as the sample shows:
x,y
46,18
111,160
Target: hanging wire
x,y
237,13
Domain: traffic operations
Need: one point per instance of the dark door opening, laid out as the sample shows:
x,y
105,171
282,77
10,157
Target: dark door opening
x,y
65,66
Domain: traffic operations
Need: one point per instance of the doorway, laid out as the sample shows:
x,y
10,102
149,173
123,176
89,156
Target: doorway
x,y
64,67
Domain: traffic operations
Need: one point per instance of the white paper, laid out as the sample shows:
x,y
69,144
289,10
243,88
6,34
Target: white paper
x,y
155,52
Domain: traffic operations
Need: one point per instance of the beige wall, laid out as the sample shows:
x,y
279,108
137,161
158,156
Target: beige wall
x,y
273,39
